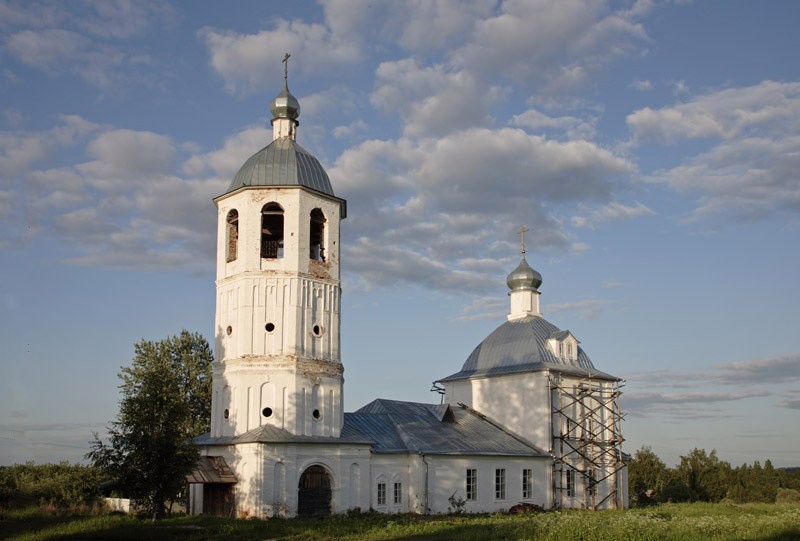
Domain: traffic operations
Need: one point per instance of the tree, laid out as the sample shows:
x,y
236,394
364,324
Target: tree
x,y
166,400
706,476
646,472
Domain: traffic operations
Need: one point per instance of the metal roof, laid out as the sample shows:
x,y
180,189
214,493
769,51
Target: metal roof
x,y
283,163
390,426
273,434
446,429
211,469
521,346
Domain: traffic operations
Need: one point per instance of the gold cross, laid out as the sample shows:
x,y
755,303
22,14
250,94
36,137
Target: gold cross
x,y
286,66
522,231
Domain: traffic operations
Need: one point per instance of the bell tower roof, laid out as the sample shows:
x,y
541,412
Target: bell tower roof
x,y
283,163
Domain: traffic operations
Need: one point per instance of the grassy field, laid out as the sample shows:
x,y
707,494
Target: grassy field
x,y
679,522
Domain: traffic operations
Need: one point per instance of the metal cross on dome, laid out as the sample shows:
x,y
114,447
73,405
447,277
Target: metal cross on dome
x,y
286,66
522,231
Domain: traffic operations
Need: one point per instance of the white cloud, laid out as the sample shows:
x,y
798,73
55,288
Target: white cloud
x,y
783,369
125,155
432,101
724,114
556,44
587,308
685,404
226,161
574,127
240,60
609,212
642,85
62,38
750,171
490,307
414,25
449,206
20,150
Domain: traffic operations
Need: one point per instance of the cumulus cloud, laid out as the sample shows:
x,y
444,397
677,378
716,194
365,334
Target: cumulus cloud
x,y
236,149
432,101
240,60
552,44
57,39
750,170
124,207
443,205
724,114
572,126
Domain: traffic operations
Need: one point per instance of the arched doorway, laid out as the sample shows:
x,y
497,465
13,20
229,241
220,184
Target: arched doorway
x,y
314,492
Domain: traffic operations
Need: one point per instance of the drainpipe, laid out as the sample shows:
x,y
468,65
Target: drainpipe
x,y
427,509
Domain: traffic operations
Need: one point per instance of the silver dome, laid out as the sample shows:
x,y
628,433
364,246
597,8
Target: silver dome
x,y
523,277
285,105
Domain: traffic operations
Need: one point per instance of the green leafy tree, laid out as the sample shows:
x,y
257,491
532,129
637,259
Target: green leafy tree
x,y
706,476
646,471
166,400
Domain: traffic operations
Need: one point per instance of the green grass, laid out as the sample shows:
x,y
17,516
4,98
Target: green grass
x,y
679,522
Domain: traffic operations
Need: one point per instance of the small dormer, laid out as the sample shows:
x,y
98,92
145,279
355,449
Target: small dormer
x,y
564,345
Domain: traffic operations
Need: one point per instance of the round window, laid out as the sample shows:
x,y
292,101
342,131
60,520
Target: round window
x,y
269,327
317,330
229,330
315,414
225,414
266,412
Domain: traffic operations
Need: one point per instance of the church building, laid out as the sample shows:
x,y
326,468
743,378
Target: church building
x,y
527,418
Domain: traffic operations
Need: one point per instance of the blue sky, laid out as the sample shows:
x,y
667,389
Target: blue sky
x,y
652,148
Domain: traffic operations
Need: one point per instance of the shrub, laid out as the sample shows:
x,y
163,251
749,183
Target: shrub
x,y
59,485
787,495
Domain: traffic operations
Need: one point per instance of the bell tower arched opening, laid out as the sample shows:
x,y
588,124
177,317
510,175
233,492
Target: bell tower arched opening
x,y
317,235
272,231
233,235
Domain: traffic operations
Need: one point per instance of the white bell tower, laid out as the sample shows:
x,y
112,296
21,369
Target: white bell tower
x,y
278,361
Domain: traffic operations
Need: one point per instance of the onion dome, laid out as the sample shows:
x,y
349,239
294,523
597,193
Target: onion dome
x,y
523,277
285,105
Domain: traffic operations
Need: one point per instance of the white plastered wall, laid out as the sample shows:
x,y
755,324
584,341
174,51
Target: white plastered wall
x,y
520,402
277,320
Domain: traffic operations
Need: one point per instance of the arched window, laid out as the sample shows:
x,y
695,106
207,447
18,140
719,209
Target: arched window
x,y
317,248
233,235
272,231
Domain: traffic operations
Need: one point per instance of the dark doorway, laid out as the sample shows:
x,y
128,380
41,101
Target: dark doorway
x,y
218,499
314,492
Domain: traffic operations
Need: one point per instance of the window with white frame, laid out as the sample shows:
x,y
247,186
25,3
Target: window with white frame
x,y
381,493
500,484
472,484
527,483
398,493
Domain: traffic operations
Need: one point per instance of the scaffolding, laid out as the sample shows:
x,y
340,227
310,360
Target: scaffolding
x,y
587,442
